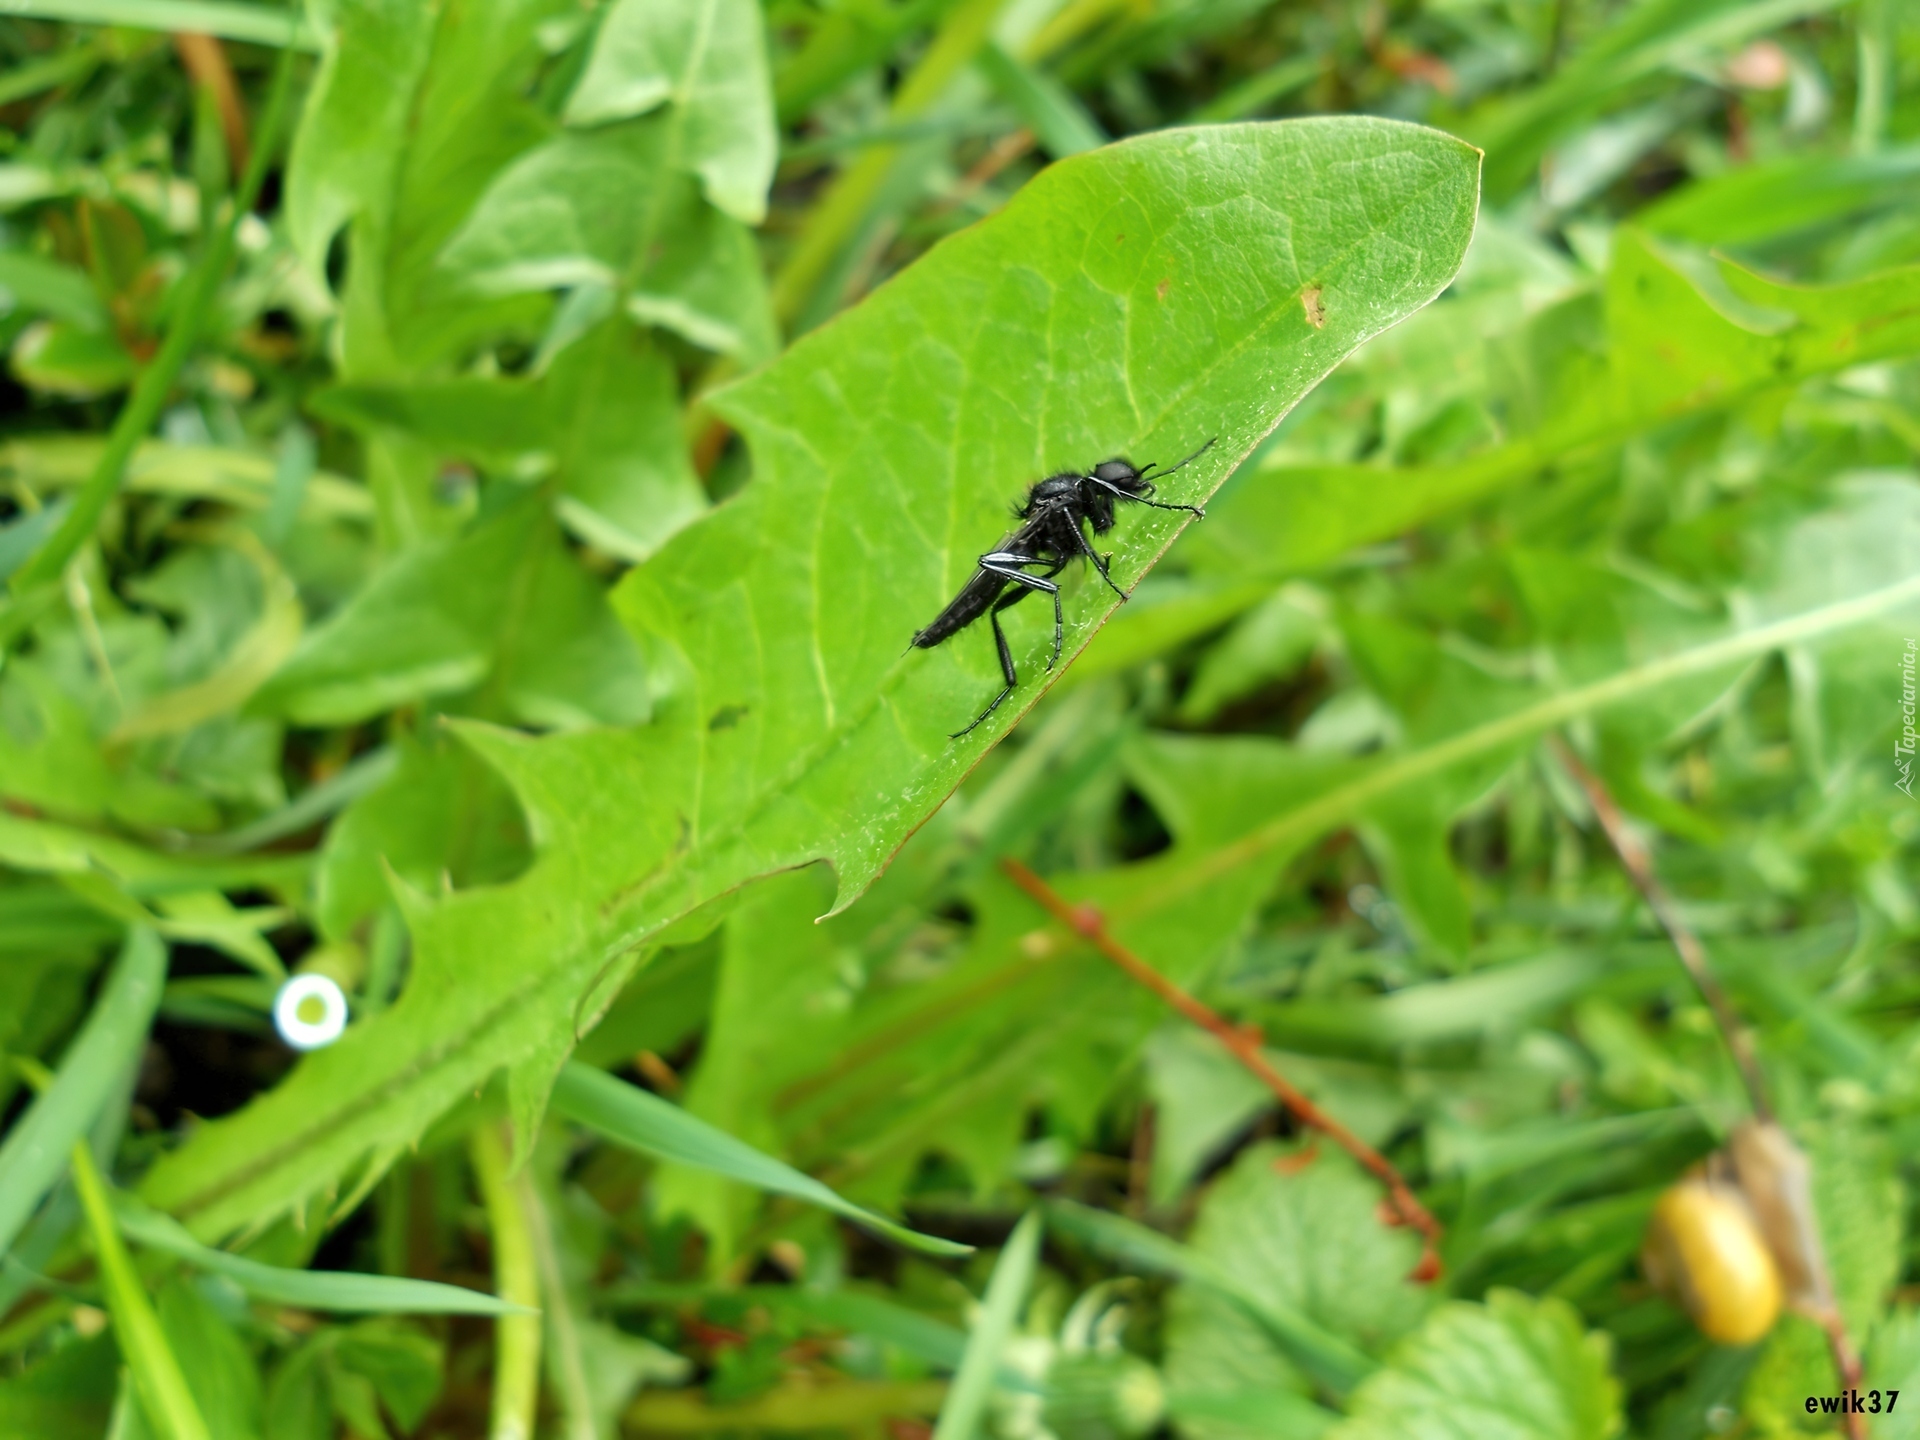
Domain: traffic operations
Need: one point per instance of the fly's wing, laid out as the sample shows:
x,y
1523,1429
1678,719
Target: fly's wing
x,y
978,593
965,608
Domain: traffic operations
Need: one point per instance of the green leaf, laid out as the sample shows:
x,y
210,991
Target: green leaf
x,y
344,162
52,758
708,60
609,208
782,987
254,655
440,812
1893,1362
1514,1368
1325,1357
966,1402
1307,1242
1135,299
1267,643
405,1367
602,423
66,1396
1203,1099
65,292
506,604
412,112
632,1116
309,1289
1861,1205
38,1144
1014,1020
58,357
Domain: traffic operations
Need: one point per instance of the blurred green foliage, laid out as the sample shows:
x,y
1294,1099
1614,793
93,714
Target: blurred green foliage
x,y
504,619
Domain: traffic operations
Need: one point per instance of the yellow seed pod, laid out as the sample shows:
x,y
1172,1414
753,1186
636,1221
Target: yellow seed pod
x,y
1704,1250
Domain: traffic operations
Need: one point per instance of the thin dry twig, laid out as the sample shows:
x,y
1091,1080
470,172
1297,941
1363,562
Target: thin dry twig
x,y
1846,1360
1639,867
206,62
1638,863
1002,153
1243,1042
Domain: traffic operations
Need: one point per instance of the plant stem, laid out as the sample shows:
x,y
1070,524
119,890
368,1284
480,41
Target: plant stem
x,y
1638,864
31,1159
162,1385
567,1361
191,303
516,1278
1243,1042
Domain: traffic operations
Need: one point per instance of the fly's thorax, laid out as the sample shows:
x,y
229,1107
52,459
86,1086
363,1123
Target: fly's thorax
x,y
1098,505
1053,493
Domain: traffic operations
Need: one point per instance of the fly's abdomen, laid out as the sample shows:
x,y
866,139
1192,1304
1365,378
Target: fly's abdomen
x,y
966,607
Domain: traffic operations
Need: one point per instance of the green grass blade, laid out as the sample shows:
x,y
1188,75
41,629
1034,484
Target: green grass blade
x,y
1052,112
255,24
632,1116
1012,1274
156,1371
35,1154
308,1289
317,802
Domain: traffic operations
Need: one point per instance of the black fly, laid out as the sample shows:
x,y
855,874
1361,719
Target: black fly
x,y
1049,536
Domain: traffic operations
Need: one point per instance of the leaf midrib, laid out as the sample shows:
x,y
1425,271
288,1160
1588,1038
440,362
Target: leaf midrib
x,y
1337,804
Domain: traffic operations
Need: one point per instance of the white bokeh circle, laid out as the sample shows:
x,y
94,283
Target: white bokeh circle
x,y
296,995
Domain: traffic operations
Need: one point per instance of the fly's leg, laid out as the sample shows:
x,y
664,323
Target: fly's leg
x,y
1000,561
1007,671
1100,563
1004,562
1193,510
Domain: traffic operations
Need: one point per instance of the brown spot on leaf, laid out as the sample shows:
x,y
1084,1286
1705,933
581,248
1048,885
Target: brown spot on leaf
x,y
1160,290
1310,302
1299,1160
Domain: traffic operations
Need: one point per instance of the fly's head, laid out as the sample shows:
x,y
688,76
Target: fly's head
x,y
1120,474
1115,476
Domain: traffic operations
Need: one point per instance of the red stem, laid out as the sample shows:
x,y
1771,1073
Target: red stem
x,y
1243,1042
